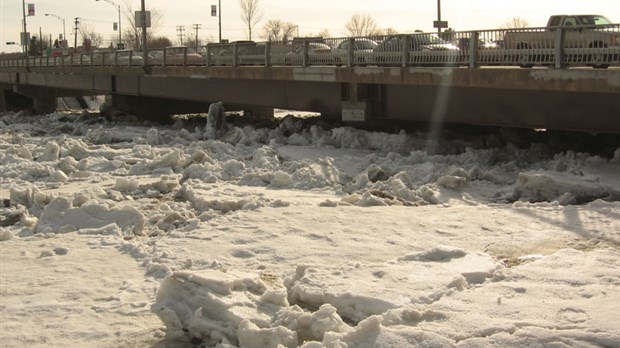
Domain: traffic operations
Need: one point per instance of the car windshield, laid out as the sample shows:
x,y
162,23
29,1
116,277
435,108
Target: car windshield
x,y
594,20
427,39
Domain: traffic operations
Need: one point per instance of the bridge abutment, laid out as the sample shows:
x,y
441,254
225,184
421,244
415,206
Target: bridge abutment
x,y
39,99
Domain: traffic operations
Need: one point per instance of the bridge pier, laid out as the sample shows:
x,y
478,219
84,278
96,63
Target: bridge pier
x,y
362,102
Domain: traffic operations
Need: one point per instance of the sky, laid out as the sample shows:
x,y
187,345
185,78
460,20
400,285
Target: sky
x,y
311,16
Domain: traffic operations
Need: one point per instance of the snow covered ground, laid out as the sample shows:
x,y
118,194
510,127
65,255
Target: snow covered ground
x,y
119,233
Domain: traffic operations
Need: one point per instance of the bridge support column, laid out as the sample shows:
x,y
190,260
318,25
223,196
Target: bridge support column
x,y
43,99
3,102
361,102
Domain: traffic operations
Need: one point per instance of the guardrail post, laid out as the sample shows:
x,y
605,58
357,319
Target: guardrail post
x,y
350,53
558,51
208,58
70,60
92,58
404,50
235,55
304,54
268,54
130,57
115,58
164,57
473,49
184,56
81,59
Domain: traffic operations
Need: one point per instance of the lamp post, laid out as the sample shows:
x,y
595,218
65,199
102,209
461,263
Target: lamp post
x,y
25,36
118,8
64,32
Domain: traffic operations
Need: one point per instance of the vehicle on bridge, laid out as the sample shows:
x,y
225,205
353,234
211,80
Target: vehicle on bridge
x,y
176,56
318,53
421,48
362,51
578,32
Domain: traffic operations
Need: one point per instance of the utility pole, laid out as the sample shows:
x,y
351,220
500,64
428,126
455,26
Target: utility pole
x,y
219,10
439,16
77,22
147,68
181,30
196,27
41,41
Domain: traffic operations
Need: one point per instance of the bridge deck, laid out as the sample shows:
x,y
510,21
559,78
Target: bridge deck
x,y
579,99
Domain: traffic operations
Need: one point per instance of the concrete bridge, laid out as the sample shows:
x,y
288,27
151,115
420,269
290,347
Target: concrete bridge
x,y
582,99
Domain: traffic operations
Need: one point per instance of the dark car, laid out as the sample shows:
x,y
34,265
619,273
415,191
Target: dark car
x,y
423,48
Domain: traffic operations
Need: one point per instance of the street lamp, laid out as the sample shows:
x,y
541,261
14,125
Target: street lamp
x,y
64,32
118,8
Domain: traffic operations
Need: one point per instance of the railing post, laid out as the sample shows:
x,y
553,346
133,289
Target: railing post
x,y
92,58
404,50
184,56
268,54
70,60
473,49
164,58
558,51
115,58
350,52
208,58
235,55
130,57
305,61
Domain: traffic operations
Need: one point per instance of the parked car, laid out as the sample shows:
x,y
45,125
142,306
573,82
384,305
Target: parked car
x,y
483,44
423,48
362,51
317,53
175,55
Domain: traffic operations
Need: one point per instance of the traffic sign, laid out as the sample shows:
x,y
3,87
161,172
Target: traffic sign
x,y
440,24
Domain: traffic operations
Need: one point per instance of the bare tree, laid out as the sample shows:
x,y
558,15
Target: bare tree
x,y
87,31
133,34
160,42
390,31
360,25
277,30
251,14
325,33
514,23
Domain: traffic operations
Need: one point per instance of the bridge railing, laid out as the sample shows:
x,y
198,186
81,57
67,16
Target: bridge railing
x,y
597,46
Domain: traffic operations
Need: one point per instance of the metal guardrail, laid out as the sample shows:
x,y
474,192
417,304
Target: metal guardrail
x,y
597,46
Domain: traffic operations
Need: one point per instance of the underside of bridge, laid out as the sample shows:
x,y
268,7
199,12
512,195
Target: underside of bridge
x,y
571,100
